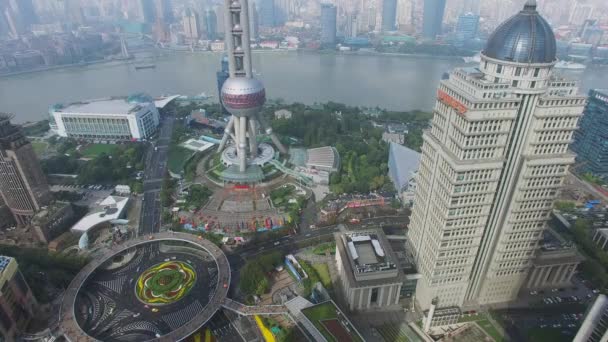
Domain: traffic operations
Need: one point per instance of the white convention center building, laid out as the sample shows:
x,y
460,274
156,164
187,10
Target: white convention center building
x,y
116,118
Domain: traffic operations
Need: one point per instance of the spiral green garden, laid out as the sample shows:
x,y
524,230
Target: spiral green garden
x,y
165,283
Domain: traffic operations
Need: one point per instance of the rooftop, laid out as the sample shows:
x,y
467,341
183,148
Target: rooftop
x,y
331,322
326,157
524,38
368,258
404,164
112,105
4,261
111,208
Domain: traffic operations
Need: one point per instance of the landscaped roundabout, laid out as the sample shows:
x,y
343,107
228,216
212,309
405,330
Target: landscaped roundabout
x,y
161,287
165,283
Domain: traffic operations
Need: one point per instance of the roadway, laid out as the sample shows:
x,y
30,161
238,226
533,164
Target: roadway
x,y
289,243
155,170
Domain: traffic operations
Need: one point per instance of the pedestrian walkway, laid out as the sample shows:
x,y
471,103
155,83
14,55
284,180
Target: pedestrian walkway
x,y
250,310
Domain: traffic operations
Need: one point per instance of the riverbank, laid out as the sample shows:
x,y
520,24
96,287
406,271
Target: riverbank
x,y
63,66
395,82
255,51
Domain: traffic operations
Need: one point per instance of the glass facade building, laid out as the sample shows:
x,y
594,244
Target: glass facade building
x,y
389,15
467,26
591,139
432,18
328,24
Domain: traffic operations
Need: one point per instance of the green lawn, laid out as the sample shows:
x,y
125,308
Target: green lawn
x,y
490,329
177,158
321,312
323,272
485,324
40,147
548,335
93,150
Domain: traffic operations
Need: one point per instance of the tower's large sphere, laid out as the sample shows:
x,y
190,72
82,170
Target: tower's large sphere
x,y
243,96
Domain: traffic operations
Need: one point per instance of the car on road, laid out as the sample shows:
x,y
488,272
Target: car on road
x,y
277,243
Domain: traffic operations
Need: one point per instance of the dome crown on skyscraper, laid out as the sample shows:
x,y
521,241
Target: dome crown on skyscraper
x,y
524,38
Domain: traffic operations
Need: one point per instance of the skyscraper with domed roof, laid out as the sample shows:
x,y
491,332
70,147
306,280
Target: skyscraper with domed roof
x,y
492,164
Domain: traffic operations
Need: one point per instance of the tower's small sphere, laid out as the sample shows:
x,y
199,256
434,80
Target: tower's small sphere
x,y
243,96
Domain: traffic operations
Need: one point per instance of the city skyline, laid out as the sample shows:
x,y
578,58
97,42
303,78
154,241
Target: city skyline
x,y
292,170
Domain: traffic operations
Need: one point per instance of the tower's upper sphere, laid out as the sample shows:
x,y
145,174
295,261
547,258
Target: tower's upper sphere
x,y
524,38
243,96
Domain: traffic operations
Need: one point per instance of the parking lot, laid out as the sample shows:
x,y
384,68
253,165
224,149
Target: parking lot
x,y
91,194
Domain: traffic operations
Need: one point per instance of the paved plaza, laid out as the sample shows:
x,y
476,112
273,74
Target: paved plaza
x,y
236,210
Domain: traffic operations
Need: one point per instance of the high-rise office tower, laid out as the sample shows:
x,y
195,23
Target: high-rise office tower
x,y
23,185
164,11
148,11
267,13
12,22
389,15
254,29
328,24
595,326
243,96
18,306
590,139
581,11
283,11
471,6
75,14
492,164
352,25
466,27
432,18
211,24
191,23
24,9
221,77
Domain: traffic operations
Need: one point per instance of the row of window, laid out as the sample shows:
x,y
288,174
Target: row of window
x,y
543,182
553,136
516,255
551,149
559,122
527,216
465,221
523,235
515,71
544,170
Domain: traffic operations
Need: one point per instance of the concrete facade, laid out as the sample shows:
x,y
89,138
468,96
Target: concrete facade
x,y
553,268
371,288
135,117
23,185
492,164
17,303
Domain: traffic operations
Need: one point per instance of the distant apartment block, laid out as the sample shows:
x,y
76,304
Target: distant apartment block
x,y
117,118
591,140
17,303
23,186
595,326
396,138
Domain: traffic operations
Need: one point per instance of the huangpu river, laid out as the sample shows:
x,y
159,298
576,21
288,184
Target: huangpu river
x,y
388,81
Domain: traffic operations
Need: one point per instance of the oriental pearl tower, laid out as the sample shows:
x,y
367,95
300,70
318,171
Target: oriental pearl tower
x,y
243,96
